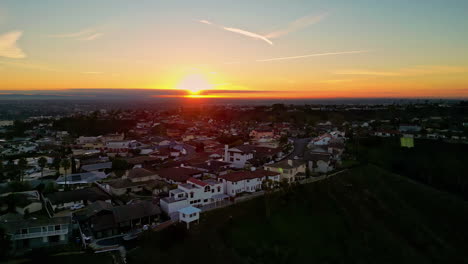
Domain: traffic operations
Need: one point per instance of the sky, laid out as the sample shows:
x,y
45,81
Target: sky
x,y
251,49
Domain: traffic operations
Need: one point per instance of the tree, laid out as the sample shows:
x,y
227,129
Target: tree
x,y
22,165
56,163
119,166
5,244
66,165
1,170
268,186
42,162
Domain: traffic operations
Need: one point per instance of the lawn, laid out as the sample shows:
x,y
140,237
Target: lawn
x,y
366,215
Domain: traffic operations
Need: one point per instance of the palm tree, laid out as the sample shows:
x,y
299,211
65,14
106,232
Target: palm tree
x,y
66,165
22,165
267,186
42,162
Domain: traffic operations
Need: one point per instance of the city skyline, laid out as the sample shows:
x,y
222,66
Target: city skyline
x,y
264,49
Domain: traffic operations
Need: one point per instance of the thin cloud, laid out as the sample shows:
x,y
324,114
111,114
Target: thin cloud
x,y
205,22
414,71
92,37
9,47
313,55
297,25
248,34
239,31
85,34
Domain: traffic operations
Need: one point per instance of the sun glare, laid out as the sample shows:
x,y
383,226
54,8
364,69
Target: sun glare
x,y
194,84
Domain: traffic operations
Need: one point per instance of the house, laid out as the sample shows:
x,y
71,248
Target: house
x,y
290,170
193,193
102,166
246,181
211,167
189,214
386,133
80,180
319,162
178,174
409,128
121,148
27,234
140,175
25,202
123,186
261,133
100,219
143,161
64,200
240,156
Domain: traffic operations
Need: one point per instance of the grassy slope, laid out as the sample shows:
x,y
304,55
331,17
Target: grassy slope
x,y
363,216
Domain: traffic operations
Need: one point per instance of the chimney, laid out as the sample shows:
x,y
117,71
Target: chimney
x,y
290,162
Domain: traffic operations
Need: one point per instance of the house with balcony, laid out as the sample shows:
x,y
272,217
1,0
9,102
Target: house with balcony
x,y
243,155
194,192
238,182
290,170
27,234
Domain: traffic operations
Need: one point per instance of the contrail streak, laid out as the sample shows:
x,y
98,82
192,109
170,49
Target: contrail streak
x,y
313,55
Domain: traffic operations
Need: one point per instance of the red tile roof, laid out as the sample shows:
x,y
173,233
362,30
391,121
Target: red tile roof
x,y
197,182
245,175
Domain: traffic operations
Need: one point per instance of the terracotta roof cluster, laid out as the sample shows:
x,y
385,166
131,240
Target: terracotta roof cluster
x,y
140,173
246,175
178,174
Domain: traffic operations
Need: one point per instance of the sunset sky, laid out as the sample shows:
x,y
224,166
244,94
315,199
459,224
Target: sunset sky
x,y
254,49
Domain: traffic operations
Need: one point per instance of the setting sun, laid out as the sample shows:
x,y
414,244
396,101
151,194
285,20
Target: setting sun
x,y
194,84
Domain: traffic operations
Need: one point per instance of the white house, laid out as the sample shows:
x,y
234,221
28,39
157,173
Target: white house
x,y
289,169
246,181
189,214
193,193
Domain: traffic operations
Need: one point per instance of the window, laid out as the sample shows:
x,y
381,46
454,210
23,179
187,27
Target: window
x,y
206,200
207,188
212,190
183,215
191,194
44,229
24,231
219,188
57,227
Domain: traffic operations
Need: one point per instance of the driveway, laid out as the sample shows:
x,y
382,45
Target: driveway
x,y
300,145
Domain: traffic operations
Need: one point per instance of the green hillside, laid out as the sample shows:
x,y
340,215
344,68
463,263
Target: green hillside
x,y
362,216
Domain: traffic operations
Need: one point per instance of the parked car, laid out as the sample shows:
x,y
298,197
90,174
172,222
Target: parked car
x,y
76,207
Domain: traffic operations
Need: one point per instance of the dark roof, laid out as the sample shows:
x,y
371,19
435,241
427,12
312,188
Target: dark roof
x,y
212,165
316,156
123,183
12,223
136,210
178,174
90,194
139,173
142,160
245,175
93,209
285,164
97,166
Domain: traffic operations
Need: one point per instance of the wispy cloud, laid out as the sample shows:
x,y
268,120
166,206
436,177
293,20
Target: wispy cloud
x,y
85,34
92,37
31,66
413,71
9,47
297,25
248,34
313,55
205,22
239,31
